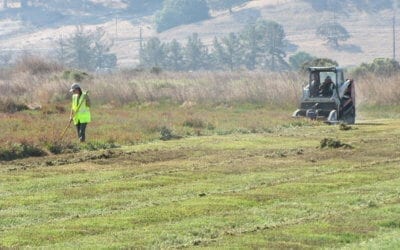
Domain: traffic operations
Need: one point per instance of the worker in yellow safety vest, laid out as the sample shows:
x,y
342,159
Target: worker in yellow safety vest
x,y
80,110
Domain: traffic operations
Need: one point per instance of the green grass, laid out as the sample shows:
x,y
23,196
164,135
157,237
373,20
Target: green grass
x,y
258,179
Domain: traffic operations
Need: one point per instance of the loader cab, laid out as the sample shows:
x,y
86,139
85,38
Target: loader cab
x,y
323,81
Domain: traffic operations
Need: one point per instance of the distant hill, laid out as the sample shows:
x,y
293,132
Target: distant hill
x,y
370,30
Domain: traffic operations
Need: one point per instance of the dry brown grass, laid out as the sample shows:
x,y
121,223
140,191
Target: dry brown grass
x,y
123,88
26,86
375,90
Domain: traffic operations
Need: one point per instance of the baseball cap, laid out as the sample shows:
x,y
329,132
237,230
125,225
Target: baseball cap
x,y
74,86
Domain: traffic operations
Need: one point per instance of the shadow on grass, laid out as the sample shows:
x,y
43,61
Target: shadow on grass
x,y
369,124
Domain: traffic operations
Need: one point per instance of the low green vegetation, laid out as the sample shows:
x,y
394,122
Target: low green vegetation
x,y
254,178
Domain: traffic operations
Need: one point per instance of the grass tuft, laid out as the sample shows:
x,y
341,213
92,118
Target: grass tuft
x,y
194,123
345,127
333,143
167,134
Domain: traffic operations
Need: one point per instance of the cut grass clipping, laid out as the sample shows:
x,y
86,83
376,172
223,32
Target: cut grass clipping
x,y
333,143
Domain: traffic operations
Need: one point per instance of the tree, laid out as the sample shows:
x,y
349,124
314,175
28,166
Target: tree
x,y
250,39
228,52
153,53
174,56
178,12
101,51
298,59
273,45
218,55
319,62
264,44
196,54
232,51
78,49
86,50
332,33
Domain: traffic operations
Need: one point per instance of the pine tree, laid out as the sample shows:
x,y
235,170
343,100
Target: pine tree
x,y
232,50
174,56
101,50
86,50
196,54
250,39
273,45
153,53
218,55
78,49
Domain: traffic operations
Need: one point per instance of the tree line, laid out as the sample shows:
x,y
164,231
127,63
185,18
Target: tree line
x,y
260,45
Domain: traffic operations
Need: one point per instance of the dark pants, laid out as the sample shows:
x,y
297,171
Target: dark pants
x,y
81,129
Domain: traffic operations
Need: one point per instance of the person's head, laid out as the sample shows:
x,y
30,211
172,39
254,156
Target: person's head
x,y
328,80
75,89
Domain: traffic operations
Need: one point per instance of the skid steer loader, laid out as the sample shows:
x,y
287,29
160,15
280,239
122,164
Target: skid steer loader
x,y
328,96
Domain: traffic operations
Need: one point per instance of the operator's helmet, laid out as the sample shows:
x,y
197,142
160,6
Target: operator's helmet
x,y
328,79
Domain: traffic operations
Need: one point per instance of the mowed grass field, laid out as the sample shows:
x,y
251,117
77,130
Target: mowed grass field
x,y
229,177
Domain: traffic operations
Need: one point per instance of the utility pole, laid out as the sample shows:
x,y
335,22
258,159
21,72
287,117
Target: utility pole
x,y
116,28
62,50
394,38
140,43
394,29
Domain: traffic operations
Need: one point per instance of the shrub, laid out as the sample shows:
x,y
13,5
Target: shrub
x,y
73,75
156,70
20,150
167,134
379,67
10,106
36,65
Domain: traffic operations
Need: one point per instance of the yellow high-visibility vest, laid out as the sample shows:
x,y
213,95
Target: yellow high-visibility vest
x,y
80,109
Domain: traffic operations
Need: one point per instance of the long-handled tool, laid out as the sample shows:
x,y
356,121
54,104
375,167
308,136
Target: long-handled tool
x,y
70,121
65,130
